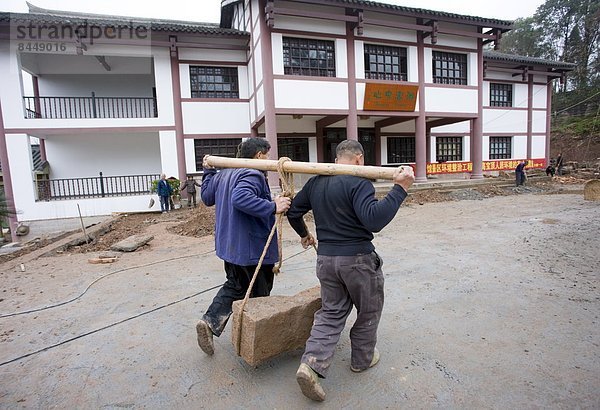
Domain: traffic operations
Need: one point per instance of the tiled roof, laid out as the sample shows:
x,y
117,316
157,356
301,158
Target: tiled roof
x,y
511,58
424,12
45,16
383,7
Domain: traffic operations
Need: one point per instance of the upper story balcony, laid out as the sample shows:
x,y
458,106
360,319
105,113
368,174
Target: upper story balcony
x,y
88,87
90,107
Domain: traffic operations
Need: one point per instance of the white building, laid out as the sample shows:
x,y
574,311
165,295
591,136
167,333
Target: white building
x,y
115,101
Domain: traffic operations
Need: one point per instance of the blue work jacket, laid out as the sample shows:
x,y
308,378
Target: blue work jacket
x,y
245,214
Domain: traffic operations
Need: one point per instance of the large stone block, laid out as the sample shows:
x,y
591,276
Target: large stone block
x,y
591,190
275,324
131,243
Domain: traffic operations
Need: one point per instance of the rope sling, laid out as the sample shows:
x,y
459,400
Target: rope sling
x,y
287,186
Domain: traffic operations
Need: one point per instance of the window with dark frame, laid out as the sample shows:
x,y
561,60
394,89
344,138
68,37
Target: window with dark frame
x,y
214,82
385,63
500,95
449,68
500,147
310,57
223,147
400,150
448,149
294,148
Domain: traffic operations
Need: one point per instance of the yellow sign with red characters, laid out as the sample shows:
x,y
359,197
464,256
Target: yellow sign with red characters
x,y
500,165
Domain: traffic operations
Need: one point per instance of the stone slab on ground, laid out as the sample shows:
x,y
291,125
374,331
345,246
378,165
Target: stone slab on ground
x,y
591,190
131,243
273,325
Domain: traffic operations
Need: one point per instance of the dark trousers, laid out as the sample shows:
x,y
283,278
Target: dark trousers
x,y
191,198
238,280
520,178
346,281
164,203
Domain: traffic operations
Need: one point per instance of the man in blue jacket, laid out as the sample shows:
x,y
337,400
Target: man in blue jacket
x,y
164,192
346,214
245,214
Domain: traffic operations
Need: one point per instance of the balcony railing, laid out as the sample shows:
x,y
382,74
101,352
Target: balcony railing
x,y
95,187
90,107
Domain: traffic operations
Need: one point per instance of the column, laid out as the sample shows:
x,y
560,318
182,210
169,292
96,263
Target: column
x,y
420,121
352,119
176,84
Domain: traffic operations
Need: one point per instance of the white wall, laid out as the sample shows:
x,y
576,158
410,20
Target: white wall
x,y
168,153
519,146
505,121
311,94
190,156
539,121
439,99
539,96
538,146
215,117
86,155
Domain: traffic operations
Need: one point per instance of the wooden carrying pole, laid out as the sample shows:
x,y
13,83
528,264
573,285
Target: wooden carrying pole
x,y
364,171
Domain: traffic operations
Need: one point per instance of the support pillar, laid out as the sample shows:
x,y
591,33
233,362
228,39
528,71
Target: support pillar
x,y
8,187
548,119
352,119
176,85
477,123
420,121
268,88
529,115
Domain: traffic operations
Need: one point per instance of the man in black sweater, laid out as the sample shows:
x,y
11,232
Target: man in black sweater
x,y
346,214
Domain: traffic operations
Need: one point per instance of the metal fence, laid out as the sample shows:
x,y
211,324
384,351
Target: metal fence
x,y
90,107
95,187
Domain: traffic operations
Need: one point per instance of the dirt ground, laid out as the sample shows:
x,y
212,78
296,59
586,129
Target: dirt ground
x,y
491,302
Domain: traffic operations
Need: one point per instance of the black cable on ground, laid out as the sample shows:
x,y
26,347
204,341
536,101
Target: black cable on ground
x,y
16,359
97,280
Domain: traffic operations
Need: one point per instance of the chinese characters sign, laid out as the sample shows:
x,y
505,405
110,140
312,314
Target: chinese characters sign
x,y
511,164
390,97
449,167
501,165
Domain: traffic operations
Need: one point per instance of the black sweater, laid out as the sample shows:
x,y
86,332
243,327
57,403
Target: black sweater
x,y
346,213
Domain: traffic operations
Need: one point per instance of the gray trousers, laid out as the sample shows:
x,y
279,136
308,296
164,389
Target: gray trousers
x,y
346,281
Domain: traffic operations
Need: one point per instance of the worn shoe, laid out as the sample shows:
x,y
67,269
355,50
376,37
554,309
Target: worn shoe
x,y
205,338
308,380
374,361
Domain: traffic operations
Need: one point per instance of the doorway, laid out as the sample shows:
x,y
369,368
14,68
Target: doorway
x,y
333,136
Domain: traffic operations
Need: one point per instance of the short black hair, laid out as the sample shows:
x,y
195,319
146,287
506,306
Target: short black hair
x,y
252,146
349,148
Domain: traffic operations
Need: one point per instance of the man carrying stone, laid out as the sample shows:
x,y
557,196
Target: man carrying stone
x,y
245,214
346,214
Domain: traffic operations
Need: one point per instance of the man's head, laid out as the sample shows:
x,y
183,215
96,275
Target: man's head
x,y
163,176
350,152
189,177
254,148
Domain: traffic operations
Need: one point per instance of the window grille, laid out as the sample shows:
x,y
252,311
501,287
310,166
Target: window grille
x,y
449,68
449,149
304,56
385,63
214,82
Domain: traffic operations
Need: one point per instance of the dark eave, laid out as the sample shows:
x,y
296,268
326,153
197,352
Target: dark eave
x,y
424,13
524,60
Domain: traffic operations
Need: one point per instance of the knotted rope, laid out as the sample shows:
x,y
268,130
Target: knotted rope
x,y
287,186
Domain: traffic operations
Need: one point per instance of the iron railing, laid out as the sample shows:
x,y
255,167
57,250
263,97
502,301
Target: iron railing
x,y
95,187
90,107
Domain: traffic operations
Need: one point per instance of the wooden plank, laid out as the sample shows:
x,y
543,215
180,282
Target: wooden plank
x,y
298,167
